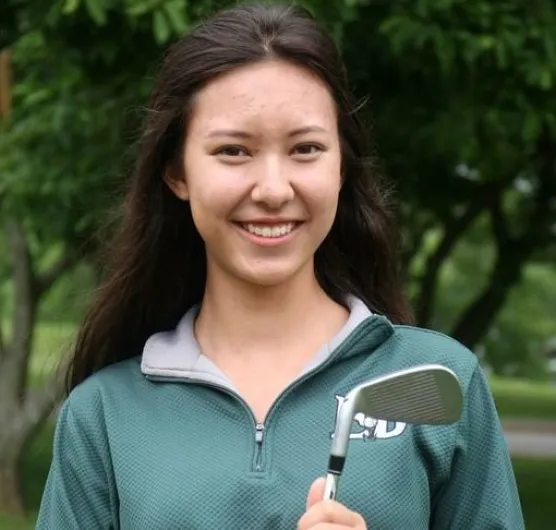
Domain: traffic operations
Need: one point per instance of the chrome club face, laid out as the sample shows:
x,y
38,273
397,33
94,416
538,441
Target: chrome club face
x,y
427,394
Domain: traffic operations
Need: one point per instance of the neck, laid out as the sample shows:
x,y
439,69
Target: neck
x,y
247,320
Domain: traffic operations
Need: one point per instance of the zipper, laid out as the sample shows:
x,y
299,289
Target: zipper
x,y
259,437
258,464
259,427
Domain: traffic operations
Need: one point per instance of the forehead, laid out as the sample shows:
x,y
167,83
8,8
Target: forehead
x,y
269,93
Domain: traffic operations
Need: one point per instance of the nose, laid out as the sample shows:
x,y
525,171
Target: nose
x,y
272,185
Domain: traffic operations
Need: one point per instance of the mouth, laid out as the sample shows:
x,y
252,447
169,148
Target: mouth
x,y
270,231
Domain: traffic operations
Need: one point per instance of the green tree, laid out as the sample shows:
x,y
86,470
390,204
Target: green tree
x,y
463,107
77,74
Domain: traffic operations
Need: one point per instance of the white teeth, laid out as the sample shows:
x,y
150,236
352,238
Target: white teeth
x,y
269,231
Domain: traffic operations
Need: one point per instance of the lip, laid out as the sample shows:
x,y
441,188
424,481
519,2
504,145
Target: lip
x,y
269,221
268,241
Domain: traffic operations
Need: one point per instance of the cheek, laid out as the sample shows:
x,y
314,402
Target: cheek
x,y
322,191
211,202
212,191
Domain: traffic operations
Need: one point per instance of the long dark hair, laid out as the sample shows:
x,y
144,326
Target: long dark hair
x,y
156,262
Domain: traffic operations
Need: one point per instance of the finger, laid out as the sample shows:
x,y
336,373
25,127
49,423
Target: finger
x,y
330,512
316,492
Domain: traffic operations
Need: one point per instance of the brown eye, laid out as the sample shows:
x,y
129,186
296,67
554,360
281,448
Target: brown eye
x,y
307,150
232,150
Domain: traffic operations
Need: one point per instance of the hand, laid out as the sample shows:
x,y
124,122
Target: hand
x,y
327,515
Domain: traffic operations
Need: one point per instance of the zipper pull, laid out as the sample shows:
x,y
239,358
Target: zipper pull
x,y
259,433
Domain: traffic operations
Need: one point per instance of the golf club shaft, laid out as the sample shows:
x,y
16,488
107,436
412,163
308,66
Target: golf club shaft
x,y
331,486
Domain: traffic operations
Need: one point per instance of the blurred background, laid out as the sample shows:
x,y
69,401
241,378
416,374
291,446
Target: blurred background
x,y
460,97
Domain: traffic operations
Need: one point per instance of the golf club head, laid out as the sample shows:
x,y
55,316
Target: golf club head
x,y
428,394
425,394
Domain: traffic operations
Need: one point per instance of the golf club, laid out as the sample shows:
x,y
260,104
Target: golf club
x,y
426,394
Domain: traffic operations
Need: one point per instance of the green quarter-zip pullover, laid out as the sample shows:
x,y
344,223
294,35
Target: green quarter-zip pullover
x,y
164,441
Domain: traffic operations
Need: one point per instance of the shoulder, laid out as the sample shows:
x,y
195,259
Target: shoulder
x,y
414,345
105,389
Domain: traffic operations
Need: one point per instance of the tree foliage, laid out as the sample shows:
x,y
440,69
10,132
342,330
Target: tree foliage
x,y
462,96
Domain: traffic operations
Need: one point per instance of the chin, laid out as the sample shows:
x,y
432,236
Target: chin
x,y
269,276
267,279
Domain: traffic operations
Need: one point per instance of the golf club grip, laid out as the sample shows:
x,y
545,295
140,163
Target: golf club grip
x,y
331,487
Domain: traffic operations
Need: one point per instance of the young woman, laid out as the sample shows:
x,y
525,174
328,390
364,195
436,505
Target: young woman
x,y
253,283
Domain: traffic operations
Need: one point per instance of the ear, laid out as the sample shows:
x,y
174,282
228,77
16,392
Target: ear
x,y
176,182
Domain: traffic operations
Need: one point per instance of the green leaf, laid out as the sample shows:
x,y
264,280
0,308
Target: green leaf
x,y
175,11
161,27
70,6
138,8
545,79
486,42
97,11
531,127
38,96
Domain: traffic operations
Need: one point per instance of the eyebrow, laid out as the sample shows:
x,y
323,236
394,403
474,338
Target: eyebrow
x,y
236,133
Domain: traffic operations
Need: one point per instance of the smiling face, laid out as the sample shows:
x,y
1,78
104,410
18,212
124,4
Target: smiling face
x,y
262,171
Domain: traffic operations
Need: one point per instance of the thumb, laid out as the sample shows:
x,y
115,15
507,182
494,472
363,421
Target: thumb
x,y
316,492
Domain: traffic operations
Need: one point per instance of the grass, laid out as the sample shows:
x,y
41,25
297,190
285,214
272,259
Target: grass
x,y
535,480
18,523
11,523
518,399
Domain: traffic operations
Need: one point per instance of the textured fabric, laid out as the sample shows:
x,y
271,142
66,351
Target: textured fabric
x,y
130,453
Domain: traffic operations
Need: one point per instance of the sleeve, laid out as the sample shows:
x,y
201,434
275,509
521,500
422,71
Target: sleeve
x,y
78,492
481,492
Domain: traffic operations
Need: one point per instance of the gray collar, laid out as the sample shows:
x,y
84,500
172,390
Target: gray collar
x,y
176,354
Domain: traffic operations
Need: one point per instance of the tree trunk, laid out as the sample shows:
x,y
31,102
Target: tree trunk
x,y
476,320
19,423
25,303
11,498
23,409
5,84
415,233
453,230
513,253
